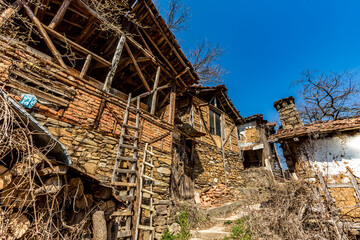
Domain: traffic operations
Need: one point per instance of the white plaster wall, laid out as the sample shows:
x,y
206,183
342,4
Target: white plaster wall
x,y
331,156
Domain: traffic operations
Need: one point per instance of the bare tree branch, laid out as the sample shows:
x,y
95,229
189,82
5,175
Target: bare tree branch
x,y
178,16
327,96
203,58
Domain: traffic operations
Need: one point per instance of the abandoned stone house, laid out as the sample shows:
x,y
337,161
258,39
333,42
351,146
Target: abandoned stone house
x,y
114,101
256,149
213,152
326,152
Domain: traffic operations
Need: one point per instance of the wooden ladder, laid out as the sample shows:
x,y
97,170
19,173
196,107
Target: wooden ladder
x,y
148,190
125,170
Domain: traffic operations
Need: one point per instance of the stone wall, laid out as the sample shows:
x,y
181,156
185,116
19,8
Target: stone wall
x,y
88,122
209,169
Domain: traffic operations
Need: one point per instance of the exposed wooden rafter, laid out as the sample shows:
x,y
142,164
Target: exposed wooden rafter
x,y
60,14
155,89
137,67
44,34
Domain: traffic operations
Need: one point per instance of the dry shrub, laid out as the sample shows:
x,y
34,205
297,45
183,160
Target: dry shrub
x,y
295,210
31,206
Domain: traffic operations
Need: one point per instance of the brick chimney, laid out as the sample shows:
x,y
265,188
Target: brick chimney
x,y
289,116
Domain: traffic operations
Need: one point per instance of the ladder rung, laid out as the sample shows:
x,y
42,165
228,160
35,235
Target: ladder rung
x,y
126,198
147,191
131,159
123,184
128,126
147,177
149,164
146,228
134,109
128,146
126,171
121,213
122,234
129,136
150,153
147,207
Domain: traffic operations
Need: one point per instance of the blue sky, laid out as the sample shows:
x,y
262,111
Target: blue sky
x,y
269,43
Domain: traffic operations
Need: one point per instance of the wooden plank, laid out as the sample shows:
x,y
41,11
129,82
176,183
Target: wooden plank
x,y
86,66
229,135
75,45
324,187
137,68
339,185
354,184
114,63
49,97
123,234
60,14
44,83
44,34
172,103
121,213
146,228
123,184
159,138
154,98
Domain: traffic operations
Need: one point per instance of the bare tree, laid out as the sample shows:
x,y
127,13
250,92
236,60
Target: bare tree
x,y
178,16
204,59
204,55
327,96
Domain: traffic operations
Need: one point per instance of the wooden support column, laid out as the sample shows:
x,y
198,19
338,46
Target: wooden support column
x,y
44,34
114,64
172,103
9,12
154,97
223,145
60,14
86,66
138,70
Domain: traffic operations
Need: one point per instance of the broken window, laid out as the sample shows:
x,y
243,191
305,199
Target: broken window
x,y
215,123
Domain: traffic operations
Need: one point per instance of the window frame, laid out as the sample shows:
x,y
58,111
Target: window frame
x,y
213,113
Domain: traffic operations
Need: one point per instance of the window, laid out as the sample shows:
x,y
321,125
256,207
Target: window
x,y
215,124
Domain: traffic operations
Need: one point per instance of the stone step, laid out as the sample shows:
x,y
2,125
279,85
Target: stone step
x,y
216,232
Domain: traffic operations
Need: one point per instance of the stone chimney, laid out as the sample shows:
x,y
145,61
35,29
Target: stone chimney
x,y
289,116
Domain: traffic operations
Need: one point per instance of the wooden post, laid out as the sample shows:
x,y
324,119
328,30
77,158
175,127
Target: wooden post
x,y
154,97
86,66
172,103
222,145
9,12
44,34
114,64
60,14
137,68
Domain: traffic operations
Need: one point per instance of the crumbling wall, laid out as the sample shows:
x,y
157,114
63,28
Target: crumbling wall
x,y
336,158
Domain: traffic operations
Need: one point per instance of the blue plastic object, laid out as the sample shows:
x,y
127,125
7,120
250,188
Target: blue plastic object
x,y
28,100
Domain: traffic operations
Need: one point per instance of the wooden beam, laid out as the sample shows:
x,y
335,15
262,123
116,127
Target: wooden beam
x,y
87,31
114,64
167,39
99,114
154,97
172,103
86,66
60,14
163,56
10,12
44,34
142,39
159,138
137,68
229,135
76,46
